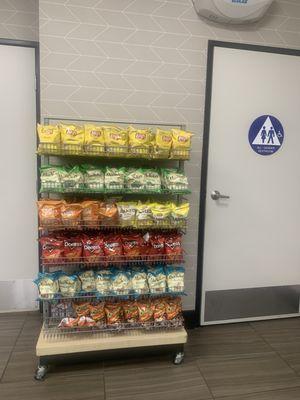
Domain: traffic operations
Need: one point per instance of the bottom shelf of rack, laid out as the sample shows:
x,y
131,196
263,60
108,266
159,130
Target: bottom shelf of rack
x,y
108,341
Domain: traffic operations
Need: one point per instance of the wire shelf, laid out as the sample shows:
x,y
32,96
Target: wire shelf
x,y
114,260
58,149
165,224
52,187
107,296
52,331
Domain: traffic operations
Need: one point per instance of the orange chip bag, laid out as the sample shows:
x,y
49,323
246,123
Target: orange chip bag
x,y
50,211
71,214
90,212
159,309
82,309
97,312
173,307
131,312
145,309
108,213
113,312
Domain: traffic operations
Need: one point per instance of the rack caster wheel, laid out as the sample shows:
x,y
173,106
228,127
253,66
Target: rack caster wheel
x,y
40,373
178,358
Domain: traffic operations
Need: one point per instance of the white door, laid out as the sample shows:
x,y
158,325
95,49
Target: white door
x,y
251,259
18,232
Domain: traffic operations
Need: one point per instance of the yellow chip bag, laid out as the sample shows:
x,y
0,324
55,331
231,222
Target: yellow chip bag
x,y
181,139
94,135
72,134
161,211
48,133
180,211
162,143
139,137
116,139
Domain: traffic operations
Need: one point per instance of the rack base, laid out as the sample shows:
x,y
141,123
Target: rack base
x,y
78,348
108,341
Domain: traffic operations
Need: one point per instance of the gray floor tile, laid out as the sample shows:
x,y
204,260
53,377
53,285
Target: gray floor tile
x,y
225,340
286,394
250,374
161,383
56,388
21,367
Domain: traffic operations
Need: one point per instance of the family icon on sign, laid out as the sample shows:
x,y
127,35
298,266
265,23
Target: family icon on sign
x,y
266,135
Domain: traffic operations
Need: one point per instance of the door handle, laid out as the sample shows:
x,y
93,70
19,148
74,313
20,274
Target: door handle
x,y
216,195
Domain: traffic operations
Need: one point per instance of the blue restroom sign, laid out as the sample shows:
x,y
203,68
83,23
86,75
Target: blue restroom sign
x,y
266,135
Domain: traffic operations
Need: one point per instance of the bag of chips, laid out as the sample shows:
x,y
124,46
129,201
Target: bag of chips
x,y
120,282
85,322
132,244
50,211
93,177
156,279
135,179
108,213
159,313
82,309
180,212
173,247
97,312
113,248
52,249
145,309
47,285
113,312
94,138
67,284
181,139
92,248
139,140
131,312
144,215
139,281
103,281
72,248
49,134
174,179
116,140
71,214
72,134
87,279
126,213
90,213
162,142
175,278
50,177
114,178
161,213
156,244
68,322
152,180
173,307
73,179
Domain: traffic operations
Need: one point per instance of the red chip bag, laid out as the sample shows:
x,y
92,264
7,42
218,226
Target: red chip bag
x,y
173,247
72,248
145,309
82,309
113,246
97,312
132,244
157,244
52,248
113,312
92,248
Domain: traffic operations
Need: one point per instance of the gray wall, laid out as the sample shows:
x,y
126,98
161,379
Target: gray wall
x,y
139,61
19,19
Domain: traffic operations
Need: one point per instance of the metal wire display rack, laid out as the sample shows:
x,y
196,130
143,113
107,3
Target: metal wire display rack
x,y
102,151
55,341
114,260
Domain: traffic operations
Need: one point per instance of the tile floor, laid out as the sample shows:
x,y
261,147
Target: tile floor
x,y
251,361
